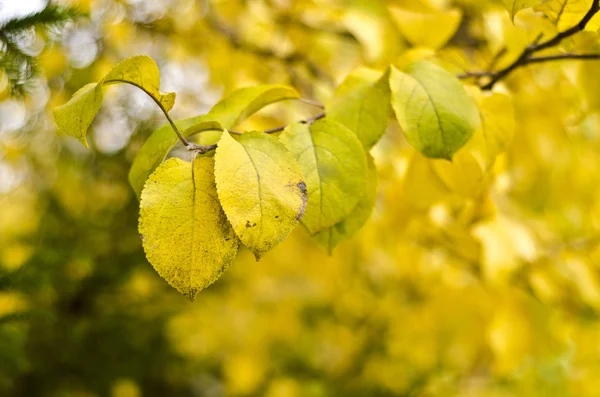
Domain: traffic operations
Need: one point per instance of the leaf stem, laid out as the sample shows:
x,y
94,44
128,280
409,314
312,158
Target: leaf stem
x,y
185,142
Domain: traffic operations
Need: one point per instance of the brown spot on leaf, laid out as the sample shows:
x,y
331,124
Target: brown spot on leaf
x,y
302,186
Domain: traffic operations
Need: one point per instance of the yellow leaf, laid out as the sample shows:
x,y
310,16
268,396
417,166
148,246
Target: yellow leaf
x,y
334,166
75,117
142,72
431,30
185,233
261,189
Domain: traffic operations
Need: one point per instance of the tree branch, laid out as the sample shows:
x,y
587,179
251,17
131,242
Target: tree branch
x,y
527,56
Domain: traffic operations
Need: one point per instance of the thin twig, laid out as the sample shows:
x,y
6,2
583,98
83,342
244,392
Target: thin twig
x,y
160,105
307,121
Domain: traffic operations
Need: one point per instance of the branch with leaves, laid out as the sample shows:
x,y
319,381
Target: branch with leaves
x,y
253,188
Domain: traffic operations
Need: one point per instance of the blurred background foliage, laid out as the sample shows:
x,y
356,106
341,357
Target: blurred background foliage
x,y
468,280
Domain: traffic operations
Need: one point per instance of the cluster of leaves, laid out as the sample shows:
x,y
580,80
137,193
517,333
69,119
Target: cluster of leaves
x,y
259,187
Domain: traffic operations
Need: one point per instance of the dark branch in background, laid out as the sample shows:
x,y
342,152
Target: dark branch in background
x,y
528,57
19,66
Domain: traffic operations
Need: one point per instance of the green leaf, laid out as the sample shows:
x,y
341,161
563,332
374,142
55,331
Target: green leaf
x,y
349,226
335,169
184,230
261,189
75,117
362,103
434,110
229,112
514,6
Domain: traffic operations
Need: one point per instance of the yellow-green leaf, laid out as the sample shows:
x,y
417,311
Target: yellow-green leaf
x,y
514,6
261,189
362,103
431,30
335,169
184,231
434,110
244,102
350,225
228,112
75,117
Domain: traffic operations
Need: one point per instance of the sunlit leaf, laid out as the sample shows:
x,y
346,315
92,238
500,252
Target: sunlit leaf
x,y
431,30
362,103
185,233
75,117
349,226
142,72
433,109
261,189
335,170
243,103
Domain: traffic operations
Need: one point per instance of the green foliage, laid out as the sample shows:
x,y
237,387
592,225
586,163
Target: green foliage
x,y
315,172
